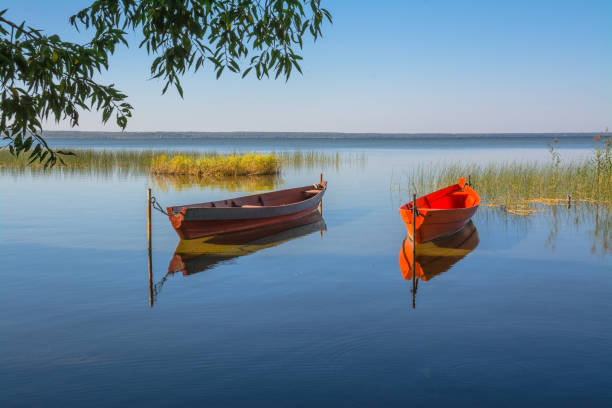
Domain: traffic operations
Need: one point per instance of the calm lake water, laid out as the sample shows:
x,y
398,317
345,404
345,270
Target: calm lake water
x,y
319,317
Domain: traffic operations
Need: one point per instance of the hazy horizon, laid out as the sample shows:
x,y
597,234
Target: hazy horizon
x,y
294,135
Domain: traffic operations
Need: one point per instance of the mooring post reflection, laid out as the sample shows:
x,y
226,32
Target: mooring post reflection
x,y
151,297
201,254
432,258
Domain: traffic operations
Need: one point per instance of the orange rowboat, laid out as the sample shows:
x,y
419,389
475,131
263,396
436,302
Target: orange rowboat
x,y
442,212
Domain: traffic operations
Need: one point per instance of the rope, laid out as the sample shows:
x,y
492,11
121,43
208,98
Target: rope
x,y
156,205
158,286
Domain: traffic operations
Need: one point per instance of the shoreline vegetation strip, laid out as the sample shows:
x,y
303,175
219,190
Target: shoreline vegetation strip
x,y
211,164
515,185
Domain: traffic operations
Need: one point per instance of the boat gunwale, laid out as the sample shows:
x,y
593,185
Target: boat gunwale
x,y
425,209
408,206
177,209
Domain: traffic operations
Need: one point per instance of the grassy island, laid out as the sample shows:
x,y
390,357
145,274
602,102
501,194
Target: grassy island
x,y
250,164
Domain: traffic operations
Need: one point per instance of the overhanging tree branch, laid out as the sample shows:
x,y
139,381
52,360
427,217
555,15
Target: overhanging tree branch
x,y
44,77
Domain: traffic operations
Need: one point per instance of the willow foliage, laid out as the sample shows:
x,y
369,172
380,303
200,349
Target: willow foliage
x,y
43,77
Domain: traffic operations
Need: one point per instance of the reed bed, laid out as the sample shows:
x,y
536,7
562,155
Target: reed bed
x,y
522,186
83,160
210,164
321,160
507,183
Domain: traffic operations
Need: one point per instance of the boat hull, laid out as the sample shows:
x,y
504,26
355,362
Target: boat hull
x,y
203,228
435,225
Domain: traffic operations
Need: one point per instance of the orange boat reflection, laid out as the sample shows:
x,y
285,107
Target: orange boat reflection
x,y
438,256
197,255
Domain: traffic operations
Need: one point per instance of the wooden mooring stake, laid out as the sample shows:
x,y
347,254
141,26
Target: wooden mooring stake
x,y
149,217
414,209
150,246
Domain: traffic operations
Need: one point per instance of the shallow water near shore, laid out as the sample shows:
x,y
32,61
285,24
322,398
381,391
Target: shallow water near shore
x,y
324,317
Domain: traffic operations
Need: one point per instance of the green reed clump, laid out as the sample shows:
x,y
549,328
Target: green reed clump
x,y
504,183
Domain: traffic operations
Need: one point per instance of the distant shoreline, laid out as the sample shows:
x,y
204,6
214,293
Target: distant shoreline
x,y
61,134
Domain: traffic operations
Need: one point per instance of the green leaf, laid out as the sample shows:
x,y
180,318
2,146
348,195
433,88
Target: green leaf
x,y
35,153
246,71
27,144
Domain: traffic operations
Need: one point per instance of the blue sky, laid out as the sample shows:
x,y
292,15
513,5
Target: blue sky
x,y
391,66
